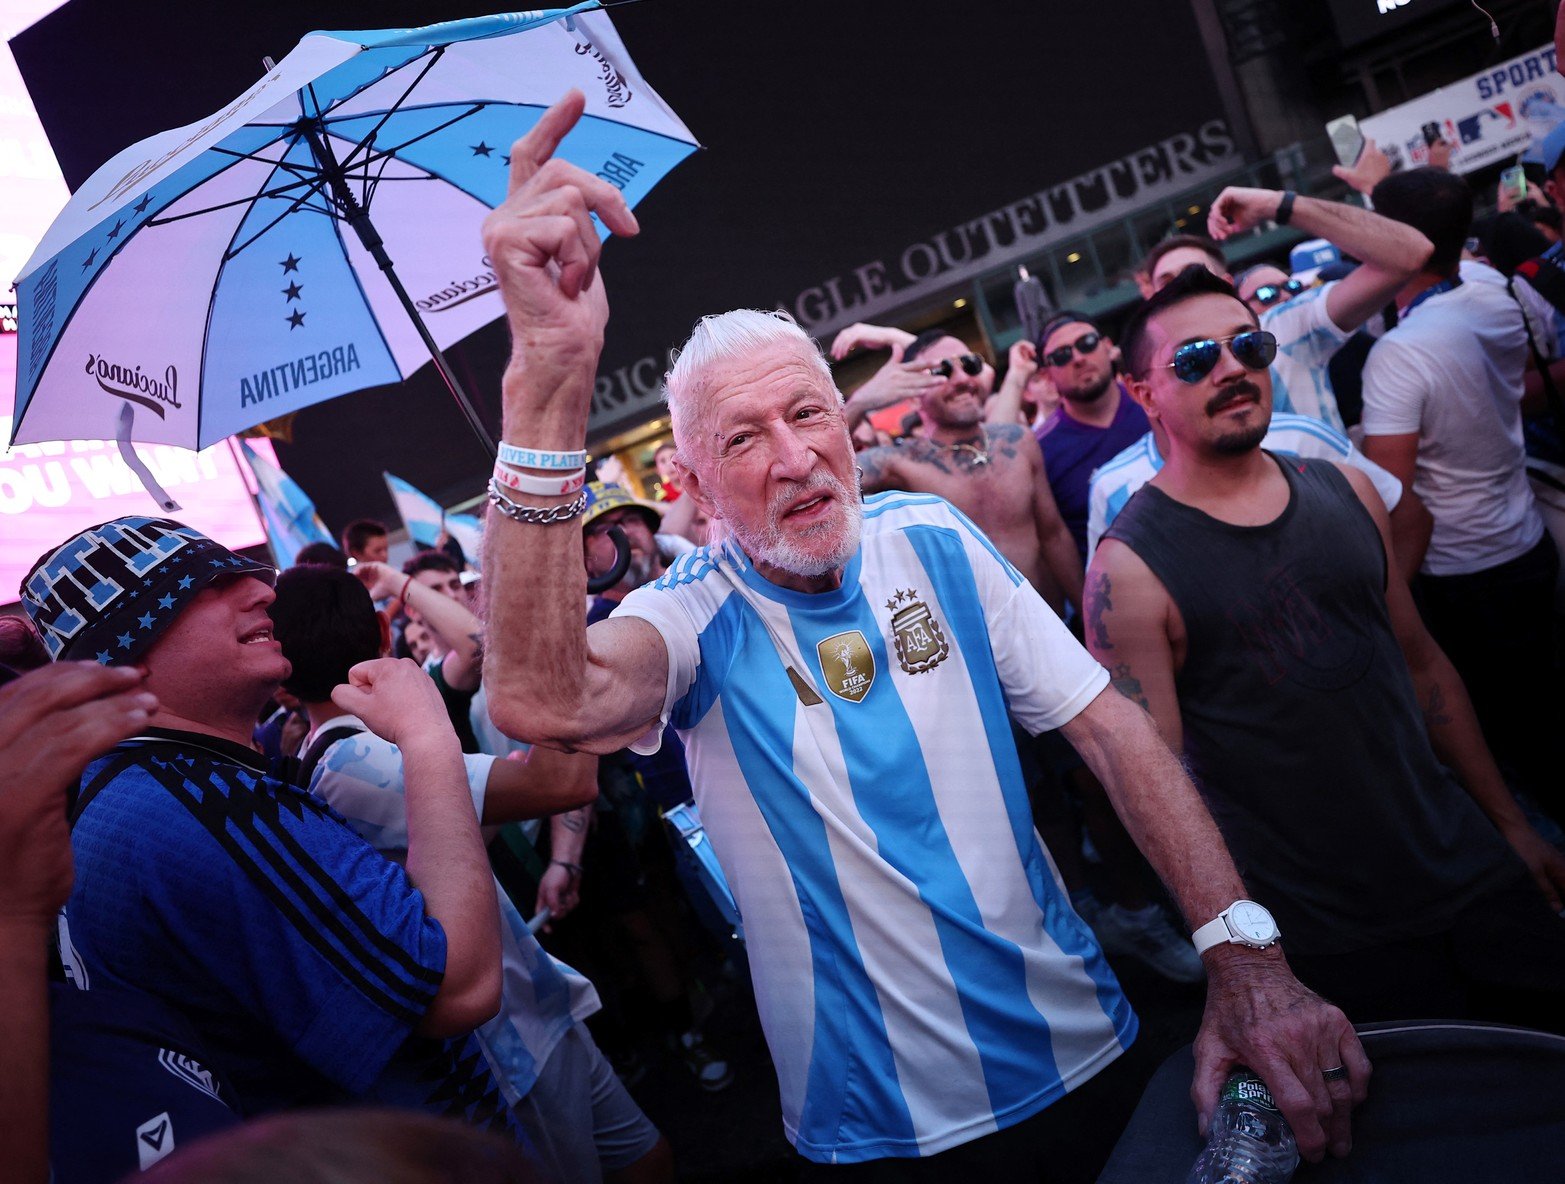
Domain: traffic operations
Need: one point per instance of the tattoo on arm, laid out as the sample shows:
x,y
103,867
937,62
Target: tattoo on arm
x,y
1098,603
1129,685
1436,713
576,820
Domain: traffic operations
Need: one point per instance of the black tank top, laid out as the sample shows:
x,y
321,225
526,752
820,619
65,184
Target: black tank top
x,y
1301,724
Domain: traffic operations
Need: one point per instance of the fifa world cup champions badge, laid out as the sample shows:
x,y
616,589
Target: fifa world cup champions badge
x,y
848,664
921,643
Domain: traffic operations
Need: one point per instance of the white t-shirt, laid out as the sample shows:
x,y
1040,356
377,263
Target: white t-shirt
x,y
1307,338
1451,371
360,776
920,975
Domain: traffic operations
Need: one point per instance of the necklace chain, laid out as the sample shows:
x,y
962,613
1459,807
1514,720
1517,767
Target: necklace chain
x,y
976,455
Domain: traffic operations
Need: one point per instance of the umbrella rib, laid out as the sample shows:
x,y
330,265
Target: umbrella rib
x,y
217,278
377,153
366,141
297,204
280,191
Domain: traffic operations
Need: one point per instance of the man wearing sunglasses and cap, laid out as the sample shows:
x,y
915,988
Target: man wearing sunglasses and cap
x,y
1247,601
1096,418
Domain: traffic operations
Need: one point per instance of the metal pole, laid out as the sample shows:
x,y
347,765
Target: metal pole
x,y
359,219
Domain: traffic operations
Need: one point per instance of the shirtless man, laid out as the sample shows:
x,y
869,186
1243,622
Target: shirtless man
x,y
993,473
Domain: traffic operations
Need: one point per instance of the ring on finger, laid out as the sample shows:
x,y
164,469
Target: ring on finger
x,y
1339,1073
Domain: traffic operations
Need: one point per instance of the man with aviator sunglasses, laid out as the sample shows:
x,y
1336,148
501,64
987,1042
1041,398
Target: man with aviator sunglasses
x,y
1248,602
1310,325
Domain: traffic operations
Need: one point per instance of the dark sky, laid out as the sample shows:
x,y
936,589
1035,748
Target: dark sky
x,y
835,132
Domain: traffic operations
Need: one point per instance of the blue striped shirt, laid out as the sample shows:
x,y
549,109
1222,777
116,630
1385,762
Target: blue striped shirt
x,y
920,975
1307,338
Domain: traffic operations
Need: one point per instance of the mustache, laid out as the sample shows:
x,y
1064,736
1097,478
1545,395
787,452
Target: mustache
x,y
820,480
1230,395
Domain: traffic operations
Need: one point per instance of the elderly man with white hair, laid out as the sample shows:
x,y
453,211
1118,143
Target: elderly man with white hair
x,y
840,671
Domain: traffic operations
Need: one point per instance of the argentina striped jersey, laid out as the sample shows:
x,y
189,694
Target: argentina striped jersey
x,y
920,975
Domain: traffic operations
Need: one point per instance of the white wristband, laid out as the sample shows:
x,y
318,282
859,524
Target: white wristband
x,y
554,483
533,458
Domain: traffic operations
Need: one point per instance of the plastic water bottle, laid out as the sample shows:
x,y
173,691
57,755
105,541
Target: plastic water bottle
x,y
1249,1141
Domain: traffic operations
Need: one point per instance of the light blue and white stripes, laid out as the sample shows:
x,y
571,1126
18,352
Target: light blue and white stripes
x,y
920,976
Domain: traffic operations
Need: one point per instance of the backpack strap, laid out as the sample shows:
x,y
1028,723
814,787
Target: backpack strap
x,y
311,757
1550,391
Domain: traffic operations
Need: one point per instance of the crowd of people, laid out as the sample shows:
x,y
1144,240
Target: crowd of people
x,y
1164,647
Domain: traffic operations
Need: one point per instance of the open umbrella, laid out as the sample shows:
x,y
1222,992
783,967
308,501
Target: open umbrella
x,y
240,268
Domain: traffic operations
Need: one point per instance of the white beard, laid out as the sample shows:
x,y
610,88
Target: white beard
x,y
773,546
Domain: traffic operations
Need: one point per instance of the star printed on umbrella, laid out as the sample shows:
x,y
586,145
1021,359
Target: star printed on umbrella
x,y
141,206
185,583
145,620
103,657
92,257
295,320
119,225
165,602
506,160
292,291
291,263
481,148
124,640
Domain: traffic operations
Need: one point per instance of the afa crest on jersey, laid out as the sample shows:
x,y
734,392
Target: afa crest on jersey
x,y
921,643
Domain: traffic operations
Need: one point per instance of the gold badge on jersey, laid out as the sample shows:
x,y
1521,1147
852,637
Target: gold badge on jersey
x,y
848,664
921,643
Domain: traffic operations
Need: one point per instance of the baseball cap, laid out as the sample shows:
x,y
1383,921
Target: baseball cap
x,y
1306,259
1068,316
605,496
108,592
1553,148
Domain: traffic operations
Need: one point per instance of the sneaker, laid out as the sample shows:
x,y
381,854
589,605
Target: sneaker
x,y
1146,934
711,1072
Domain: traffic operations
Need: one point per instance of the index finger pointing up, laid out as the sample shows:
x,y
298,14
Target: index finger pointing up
x,y
529,154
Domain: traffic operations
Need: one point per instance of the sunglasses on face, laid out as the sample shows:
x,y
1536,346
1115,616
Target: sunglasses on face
x,y
1193,361
1083,345
1269,294
970,364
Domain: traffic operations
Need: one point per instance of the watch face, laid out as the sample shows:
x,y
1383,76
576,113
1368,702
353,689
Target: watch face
x,y
1251,922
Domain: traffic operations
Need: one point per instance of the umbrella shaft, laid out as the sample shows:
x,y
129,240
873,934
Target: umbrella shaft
x,y
358,218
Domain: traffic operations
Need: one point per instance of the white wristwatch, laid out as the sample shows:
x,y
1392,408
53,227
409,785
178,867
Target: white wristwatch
x,y
1244,923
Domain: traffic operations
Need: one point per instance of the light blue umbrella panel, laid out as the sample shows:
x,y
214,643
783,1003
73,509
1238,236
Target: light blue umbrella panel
x,y
238,269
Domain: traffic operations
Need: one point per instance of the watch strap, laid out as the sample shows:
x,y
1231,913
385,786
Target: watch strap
x,y
1284,212
1214,932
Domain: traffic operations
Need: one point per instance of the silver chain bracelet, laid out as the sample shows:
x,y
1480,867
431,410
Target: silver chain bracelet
x,y
536,515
